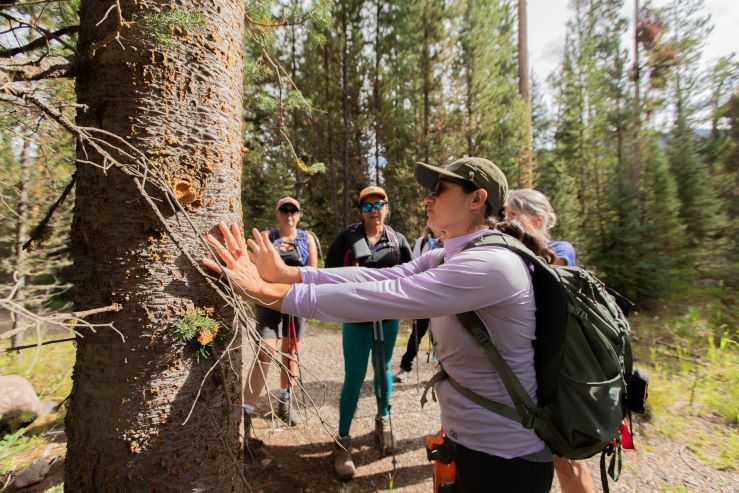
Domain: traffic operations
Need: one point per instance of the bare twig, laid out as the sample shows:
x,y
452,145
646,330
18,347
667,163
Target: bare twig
x,y
66,321
46,33
115,34
115,152
38,42
25,70
38,232
45,343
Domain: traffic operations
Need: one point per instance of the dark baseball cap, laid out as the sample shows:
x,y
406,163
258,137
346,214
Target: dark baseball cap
x,y
476,170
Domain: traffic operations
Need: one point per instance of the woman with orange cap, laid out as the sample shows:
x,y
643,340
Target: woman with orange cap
x,y
369,243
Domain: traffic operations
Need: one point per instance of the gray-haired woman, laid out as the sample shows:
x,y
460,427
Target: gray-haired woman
x,y
533,209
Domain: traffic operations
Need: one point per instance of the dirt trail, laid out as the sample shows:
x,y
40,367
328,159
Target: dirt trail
x,y
300,458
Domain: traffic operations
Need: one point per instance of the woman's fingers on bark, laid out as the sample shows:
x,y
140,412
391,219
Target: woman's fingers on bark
x,y
231,243
236,231
221,250
212,265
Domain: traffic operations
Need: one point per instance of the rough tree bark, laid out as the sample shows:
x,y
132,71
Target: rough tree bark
x,y
174,93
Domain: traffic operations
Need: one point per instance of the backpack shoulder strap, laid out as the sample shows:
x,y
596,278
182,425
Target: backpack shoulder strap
x,y
353,233
274,234
525,406
508,242
392,238
317,242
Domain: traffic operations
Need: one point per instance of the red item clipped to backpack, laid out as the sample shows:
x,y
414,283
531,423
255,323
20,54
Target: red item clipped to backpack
x,y
441,450
627,441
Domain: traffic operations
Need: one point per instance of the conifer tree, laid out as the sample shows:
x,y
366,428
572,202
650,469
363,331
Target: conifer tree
x,y
701,207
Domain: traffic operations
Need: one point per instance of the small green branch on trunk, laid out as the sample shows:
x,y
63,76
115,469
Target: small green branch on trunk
x,y
165,25
195,325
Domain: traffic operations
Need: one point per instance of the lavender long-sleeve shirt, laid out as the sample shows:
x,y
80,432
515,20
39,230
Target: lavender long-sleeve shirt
x,y
490,280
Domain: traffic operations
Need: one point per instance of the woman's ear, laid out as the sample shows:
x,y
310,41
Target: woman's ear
x,y
480,196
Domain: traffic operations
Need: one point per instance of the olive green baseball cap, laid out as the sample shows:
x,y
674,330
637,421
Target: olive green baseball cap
x,y
476,170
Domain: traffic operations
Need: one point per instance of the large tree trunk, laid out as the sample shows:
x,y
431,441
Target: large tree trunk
x,y
175,94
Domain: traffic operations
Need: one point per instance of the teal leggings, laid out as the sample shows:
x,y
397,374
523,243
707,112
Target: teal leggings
x,y
358,343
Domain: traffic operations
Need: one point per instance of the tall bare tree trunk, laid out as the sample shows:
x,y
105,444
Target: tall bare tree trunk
x,y
525,155
345,109
335,214
19,322
175,94
301,179
426,69
376,91
637,100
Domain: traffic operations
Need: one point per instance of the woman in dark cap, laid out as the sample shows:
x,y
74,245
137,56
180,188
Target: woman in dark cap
x,y
466,199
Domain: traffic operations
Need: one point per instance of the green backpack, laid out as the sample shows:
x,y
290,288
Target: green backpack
x,y
582,356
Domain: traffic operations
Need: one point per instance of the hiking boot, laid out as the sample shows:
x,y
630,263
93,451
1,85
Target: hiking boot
x,y
343,463
287,410
384,435
401,376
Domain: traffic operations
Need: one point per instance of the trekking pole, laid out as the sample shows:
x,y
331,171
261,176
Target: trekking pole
x,y
379,340
292,342
300,368
415,335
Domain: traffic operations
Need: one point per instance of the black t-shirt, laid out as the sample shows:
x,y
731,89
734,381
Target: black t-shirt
x,y
383,253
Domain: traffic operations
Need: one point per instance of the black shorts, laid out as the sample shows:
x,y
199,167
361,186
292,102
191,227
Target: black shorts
x,y
478,472
272,324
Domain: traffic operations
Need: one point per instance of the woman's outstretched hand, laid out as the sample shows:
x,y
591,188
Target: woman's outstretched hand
x,y
268,261
236,262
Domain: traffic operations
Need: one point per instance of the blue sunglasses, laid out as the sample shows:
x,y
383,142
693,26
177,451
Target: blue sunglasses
x,y
377,206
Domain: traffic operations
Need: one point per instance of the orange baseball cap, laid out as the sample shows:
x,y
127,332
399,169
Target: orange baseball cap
x,y
287,200
372,190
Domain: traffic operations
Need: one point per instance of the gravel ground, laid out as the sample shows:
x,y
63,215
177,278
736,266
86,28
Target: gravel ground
x,y
299,459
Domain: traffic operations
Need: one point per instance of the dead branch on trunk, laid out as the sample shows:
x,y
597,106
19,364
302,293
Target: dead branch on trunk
x,y
27,70
40,230
67,321
39,42
115,152
35,27
45,343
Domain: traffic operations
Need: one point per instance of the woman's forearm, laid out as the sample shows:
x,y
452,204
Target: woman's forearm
x,y
270,295
289,275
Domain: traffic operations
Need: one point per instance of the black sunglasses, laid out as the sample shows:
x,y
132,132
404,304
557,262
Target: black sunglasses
x,y
288,211
467,186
